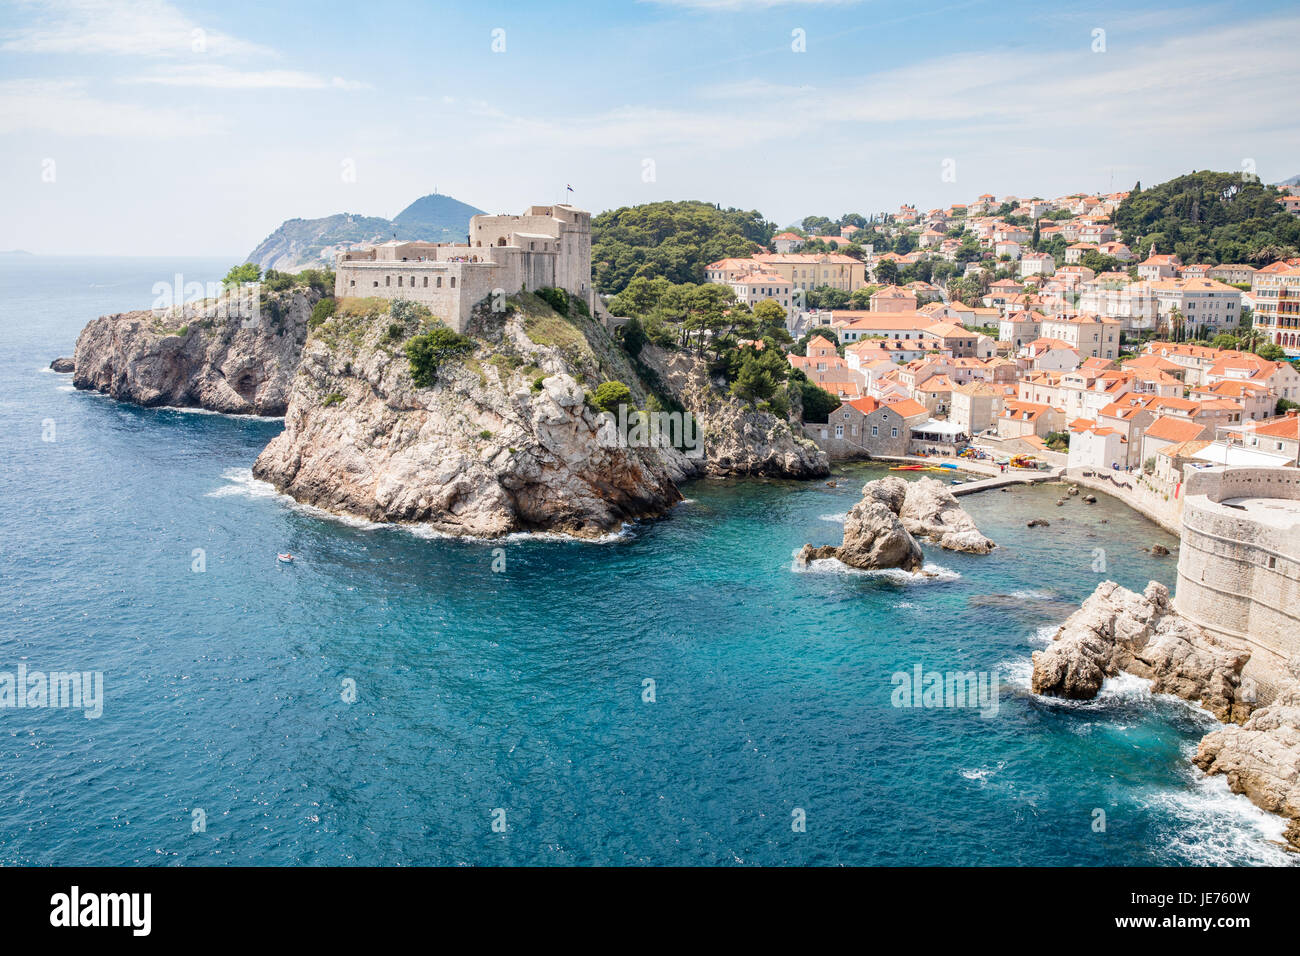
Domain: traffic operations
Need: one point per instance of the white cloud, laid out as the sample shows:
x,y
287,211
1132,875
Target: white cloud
x,y
64,107
216,76
152,28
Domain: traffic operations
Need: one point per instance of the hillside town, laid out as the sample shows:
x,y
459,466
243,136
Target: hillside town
x,y
1037,336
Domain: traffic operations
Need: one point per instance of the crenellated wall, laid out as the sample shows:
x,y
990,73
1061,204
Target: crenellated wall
x,y
1239,566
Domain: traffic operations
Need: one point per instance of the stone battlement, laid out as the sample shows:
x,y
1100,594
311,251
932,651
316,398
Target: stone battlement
x,y
546,247
1239,563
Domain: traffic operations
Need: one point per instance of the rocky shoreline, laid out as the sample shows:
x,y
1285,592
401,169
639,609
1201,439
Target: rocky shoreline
x,y
1117,630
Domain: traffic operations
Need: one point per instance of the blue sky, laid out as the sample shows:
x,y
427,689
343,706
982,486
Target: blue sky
x,y
123,130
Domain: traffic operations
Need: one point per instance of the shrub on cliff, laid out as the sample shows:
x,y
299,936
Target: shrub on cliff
x,y
610,395
431,349
321,312
557,299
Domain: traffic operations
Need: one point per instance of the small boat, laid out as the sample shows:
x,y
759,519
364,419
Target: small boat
x,y
948,464
285,558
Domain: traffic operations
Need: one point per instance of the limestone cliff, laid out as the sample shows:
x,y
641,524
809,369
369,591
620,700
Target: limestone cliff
x,y
212,355
502,441
739,440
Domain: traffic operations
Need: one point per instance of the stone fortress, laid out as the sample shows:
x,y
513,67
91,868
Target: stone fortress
x,y
546,247
1239,564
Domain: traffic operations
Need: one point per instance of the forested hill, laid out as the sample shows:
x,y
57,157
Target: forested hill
x,y
1210,217
675,240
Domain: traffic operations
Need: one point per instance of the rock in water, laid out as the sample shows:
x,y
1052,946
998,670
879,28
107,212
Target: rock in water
x,y
63,365
874,535
931,511
1261,758
1118,630
501,441
206,356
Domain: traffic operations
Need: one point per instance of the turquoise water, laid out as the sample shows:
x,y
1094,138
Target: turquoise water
x,y
522,689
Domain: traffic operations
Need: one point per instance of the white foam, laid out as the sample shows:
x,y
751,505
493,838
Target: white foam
x,y
1212,826
67,388
981,775
929,573
190,410
1032,594
242,483
839,518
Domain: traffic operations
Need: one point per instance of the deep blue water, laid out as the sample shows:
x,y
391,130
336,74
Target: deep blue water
x,y
522,689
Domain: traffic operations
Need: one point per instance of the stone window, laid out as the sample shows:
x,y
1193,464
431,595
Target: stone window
x,y
453,282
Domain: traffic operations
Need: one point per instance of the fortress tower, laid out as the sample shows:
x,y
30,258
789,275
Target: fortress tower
x,y
545,247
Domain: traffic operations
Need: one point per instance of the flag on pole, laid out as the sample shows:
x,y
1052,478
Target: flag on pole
x,y
568,187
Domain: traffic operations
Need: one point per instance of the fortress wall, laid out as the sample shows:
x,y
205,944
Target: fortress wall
x,y
1238,575
473,281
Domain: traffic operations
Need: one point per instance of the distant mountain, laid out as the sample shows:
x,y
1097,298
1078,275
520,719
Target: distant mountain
x,y
312,243
1293,181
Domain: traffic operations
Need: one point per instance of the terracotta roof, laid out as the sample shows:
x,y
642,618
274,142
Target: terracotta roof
x,y
1175,429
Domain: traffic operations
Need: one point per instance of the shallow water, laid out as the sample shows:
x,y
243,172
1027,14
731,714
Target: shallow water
x,y
522,689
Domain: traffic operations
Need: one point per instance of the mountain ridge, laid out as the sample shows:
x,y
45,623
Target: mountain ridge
x,y
299,243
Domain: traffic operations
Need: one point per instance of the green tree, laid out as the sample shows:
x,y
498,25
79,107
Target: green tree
x,y
429,350
610,395
245,272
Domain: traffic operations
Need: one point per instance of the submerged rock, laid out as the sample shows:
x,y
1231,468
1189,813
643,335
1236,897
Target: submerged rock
x,y
1261,758
932,512
1037,523
1118,630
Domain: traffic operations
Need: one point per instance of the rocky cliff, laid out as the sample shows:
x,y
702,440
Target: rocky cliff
x,y
225,357
503,440
739,440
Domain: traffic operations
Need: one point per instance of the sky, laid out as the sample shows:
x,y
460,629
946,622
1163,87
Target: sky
x,y
148,127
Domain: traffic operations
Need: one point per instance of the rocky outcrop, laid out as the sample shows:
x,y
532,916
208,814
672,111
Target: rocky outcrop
x,y
739,439
930,511
1118,630
62,365
1261,758
874,534
503,440
213,355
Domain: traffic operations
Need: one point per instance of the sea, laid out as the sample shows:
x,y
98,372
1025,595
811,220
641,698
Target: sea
x,y
678,694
